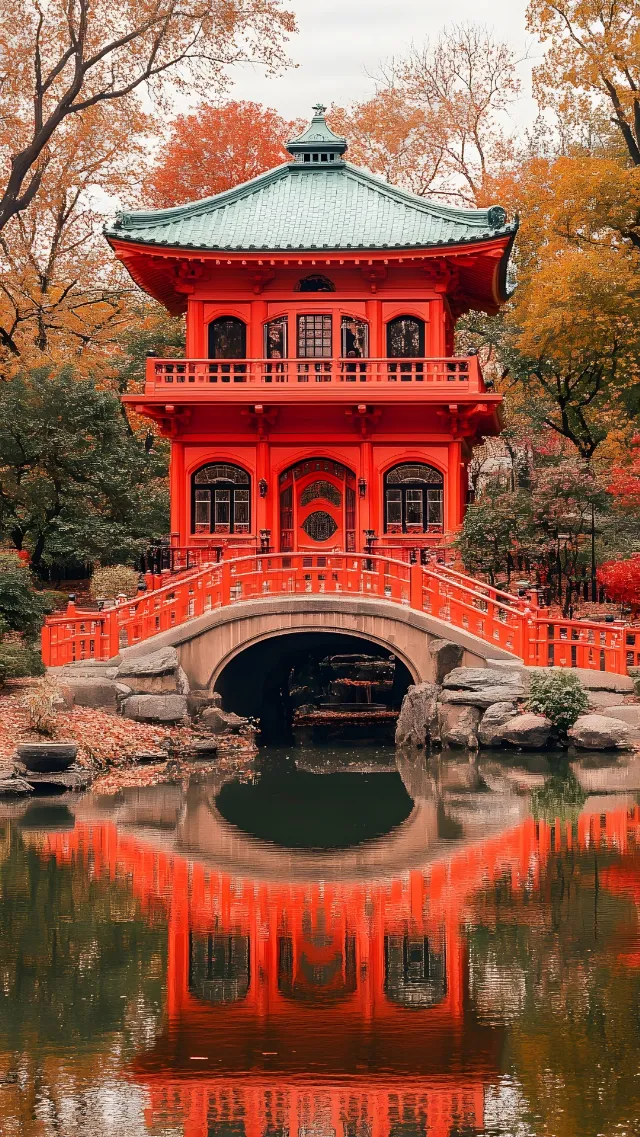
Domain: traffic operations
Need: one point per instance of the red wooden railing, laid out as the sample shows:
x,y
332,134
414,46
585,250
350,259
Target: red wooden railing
x,y
171,376
513,623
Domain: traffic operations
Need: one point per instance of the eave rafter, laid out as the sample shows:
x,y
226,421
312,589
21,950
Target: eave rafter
x,y
468,275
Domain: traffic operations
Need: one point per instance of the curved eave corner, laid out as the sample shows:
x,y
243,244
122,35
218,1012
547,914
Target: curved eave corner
x,y
501,287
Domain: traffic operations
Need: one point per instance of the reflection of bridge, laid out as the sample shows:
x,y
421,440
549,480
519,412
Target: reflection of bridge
x,y
318,1005
217,610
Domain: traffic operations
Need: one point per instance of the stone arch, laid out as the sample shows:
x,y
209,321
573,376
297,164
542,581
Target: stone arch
x,y
302,629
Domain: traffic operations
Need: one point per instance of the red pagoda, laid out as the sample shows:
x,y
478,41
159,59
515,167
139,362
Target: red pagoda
x,y
320,403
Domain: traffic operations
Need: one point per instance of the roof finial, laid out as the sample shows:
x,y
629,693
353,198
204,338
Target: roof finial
x,y
318,146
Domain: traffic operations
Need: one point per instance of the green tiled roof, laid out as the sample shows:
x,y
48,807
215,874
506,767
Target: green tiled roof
x,y
318,201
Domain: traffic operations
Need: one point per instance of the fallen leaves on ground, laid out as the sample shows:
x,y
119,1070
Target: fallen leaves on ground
x,y
106,740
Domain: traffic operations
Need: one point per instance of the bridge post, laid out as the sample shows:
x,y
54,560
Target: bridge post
x,y
225,583
415,586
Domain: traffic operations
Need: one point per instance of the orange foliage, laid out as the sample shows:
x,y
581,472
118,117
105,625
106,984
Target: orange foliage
x,y
592,57
437,123
66,59
216,148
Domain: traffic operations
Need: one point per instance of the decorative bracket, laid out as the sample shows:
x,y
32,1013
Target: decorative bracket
x,y
260,419
363,418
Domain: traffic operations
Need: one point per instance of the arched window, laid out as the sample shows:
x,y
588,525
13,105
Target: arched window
x,y
405,338
221,499
315,284
413,499
227,338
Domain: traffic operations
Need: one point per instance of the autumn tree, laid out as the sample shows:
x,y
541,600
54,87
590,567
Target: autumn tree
x,y
62,293
62,60
593,50
215,148
438,121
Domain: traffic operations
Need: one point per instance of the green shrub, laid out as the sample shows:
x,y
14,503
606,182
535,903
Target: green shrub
x,y
19,661
559,695
22,609
111,581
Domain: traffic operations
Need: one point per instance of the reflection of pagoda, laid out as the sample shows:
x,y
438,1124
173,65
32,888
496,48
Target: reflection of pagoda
x,y
317,1008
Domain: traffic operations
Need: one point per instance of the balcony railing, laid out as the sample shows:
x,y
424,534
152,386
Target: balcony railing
x,y
173,376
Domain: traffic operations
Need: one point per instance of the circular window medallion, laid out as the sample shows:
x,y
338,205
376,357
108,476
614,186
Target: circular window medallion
x,y
320,526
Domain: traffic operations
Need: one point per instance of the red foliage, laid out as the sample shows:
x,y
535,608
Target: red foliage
x,y
621,580
625,480
216,148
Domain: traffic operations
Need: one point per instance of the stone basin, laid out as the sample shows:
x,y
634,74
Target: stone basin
x,y
47,757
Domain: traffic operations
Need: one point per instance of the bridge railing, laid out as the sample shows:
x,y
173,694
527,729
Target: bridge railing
x,y
499,618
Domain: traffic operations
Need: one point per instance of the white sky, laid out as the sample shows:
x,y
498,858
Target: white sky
x,y
339,41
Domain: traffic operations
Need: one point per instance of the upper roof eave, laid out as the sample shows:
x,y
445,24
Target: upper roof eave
x,y
289,201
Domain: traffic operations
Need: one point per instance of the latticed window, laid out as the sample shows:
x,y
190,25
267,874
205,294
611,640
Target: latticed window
x,y
321,489
414,498
227,338
405,337
314,337
221,499
320,526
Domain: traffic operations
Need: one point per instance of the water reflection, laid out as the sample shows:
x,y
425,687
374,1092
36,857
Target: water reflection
x,y
468,966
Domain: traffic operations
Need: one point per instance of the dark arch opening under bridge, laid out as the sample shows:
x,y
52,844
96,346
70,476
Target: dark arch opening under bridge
x,y
264,680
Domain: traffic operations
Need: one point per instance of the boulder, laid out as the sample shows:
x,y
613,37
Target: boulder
x,y
154,684
155,708
625,712
597,732
198,701
529,731
417,714
75,780
493,718
459,726
14,787
47,757
600,701
479,678
161,662
205,748
446,656
89,691
217,721
485,697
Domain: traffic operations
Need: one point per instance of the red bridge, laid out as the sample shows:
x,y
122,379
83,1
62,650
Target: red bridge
x,y
461,605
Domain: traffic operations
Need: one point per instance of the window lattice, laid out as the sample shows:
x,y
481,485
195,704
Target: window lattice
x,y
221,473
321,489
314,337
320,526
415,473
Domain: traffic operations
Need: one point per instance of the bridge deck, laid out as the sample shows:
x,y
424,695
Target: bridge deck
x,y
509,623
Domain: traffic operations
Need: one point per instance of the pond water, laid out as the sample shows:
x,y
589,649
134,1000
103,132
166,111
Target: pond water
x,y
345,943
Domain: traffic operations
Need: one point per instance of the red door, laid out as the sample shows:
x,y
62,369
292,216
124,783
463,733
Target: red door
x,y
317,507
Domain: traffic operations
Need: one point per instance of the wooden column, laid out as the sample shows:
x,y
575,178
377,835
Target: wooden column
x,y
366,505
452,487
179,492
377,347
263,472
255,334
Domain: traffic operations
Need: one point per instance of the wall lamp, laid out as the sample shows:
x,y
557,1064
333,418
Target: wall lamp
x,y
362,487
263,487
